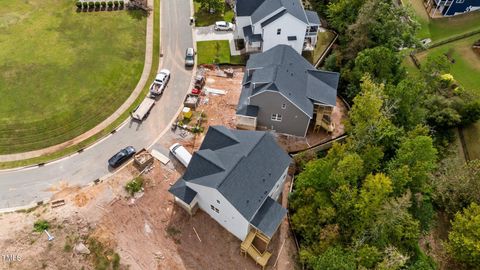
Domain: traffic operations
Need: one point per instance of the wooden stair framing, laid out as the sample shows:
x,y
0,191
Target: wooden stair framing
x,y
247,247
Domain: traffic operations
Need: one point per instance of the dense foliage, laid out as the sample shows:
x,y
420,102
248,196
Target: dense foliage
x,y
367,202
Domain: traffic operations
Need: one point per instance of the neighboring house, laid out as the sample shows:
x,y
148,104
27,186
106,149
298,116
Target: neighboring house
x,y
236,178
263,24
451,7
283,92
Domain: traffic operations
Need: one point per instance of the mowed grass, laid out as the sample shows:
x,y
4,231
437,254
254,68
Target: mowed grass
x,y
216,52
442,28
323,40
465,70
62,72
205,18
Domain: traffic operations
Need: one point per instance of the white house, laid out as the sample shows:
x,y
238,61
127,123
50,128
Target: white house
x,y
236,177
263,24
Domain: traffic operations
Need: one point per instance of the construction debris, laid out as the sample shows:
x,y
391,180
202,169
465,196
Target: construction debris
x,y
80,248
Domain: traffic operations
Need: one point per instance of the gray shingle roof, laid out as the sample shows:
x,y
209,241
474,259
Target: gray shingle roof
x,y
181,191
269,217
312,17
247,7
289,73
249,36
244,170
294,7
273,18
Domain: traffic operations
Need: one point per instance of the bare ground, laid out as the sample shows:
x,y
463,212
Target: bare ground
x,y
149,232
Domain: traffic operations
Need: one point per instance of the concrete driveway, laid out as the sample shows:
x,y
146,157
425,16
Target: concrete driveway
x,y
23,187
208,34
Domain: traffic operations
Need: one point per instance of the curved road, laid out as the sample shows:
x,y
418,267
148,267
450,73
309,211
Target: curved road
x,y
24,187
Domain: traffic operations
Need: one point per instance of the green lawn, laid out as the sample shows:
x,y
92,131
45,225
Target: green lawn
x,y
204,18
217,52
60,72
466,68
117,122
442,28
323,40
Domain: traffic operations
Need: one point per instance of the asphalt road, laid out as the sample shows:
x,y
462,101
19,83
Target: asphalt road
x,y
23,187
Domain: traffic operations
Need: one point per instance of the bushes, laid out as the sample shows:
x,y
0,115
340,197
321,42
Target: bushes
x,y
97,4
41,225
134,186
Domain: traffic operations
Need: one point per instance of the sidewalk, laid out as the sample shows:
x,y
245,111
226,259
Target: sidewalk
x,y
138,89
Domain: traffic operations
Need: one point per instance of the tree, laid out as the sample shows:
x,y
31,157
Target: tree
x,y
369,122
388,70
415,159
342,13
212,5
335,258
393,259
464,238
456,186
407,102
381,23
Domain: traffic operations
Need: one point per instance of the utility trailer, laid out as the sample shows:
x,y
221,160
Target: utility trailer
x,y
142,111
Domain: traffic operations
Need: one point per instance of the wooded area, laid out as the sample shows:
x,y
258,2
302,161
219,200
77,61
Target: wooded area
x,y
367,203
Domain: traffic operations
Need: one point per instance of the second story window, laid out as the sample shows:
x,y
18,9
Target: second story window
x,y
279,31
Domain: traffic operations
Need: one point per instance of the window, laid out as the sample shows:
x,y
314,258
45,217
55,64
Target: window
x,y
218,201
276,117
279,31
284,106
460,1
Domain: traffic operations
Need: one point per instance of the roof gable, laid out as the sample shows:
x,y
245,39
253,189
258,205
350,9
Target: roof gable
x,y
243,172
218,137
294,77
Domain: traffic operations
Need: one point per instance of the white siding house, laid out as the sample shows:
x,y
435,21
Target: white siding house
x,y
230,178
263,24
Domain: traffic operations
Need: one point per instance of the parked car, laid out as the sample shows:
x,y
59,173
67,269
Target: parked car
x,y
190,57
122,156
223,26
160,82
181,153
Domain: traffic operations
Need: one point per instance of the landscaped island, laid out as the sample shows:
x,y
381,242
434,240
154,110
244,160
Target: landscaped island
x,y
62,72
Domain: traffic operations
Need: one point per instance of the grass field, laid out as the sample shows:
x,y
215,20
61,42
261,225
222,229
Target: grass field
x,y
442,28
216,52
466,68
117,122
63,72
204,18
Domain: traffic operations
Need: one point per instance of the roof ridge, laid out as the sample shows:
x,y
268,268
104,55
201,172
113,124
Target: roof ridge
x,y
239,161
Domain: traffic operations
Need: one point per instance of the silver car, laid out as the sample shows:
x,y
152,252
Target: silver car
x,y
190,57
223,26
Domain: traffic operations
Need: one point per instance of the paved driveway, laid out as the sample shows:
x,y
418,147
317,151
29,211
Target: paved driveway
x,y
18,188
208,34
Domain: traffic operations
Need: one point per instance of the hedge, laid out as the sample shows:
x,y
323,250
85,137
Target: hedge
x,y
79,4
91,4
97,4
110,4
115,3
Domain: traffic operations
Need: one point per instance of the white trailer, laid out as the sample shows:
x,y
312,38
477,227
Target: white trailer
x,y
142,111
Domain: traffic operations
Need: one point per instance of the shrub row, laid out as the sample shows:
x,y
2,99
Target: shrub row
x,y
97,4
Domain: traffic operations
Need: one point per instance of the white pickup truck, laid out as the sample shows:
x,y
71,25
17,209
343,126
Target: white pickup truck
x,y
160,82
142,111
